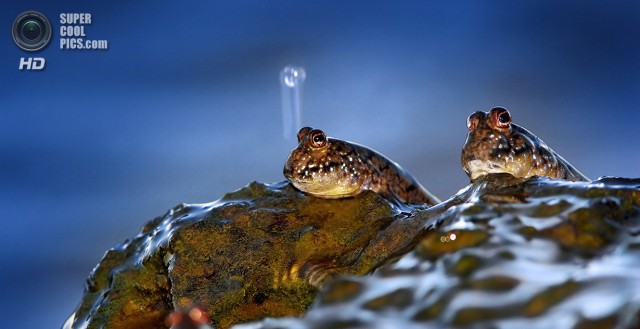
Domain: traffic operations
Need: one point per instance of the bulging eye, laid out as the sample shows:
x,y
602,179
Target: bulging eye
x,y
317,138
472,122
501,116
504,118
474,119
303,132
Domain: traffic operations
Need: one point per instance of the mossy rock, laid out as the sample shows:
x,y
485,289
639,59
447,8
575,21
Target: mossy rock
x,y
263,250
503,253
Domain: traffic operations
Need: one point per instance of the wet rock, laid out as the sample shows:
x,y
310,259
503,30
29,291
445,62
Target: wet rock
x,y
502,253
261,251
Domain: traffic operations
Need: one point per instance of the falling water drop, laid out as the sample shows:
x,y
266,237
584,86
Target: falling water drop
x,y
291,82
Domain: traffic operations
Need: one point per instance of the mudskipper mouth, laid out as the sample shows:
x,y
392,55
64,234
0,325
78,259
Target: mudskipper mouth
x,y
324,189
479,168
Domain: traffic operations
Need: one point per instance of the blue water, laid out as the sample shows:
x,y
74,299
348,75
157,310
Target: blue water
x,y
185,105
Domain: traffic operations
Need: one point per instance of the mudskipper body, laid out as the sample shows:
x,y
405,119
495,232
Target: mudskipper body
x,y
496,145
331,168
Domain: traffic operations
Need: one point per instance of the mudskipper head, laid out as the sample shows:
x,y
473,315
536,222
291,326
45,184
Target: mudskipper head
x,y
495,145
320,166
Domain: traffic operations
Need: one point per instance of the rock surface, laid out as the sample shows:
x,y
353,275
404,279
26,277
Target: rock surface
x,y
503,252
260,251
536,253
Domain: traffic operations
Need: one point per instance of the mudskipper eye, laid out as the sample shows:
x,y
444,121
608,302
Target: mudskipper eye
x,y
472,122
317,138
501,116
303,132
504,118
474,119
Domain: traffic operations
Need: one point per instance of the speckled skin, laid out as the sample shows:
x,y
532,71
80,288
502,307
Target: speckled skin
x,y
331,168
495,145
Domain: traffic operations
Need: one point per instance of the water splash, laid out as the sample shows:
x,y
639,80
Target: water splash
x,y
291,83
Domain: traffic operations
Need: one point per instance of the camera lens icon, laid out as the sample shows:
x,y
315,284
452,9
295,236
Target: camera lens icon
x,y
31,31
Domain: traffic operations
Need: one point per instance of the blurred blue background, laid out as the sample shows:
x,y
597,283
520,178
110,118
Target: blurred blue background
x,y
185,106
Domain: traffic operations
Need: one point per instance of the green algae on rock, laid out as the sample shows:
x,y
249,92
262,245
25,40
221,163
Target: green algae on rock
x,y
263,250
503,253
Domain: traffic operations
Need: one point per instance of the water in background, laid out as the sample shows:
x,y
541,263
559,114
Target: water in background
x,y
186,105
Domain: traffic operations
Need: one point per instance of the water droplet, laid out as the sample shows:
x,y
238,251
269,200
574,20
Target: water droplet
x,y
293,76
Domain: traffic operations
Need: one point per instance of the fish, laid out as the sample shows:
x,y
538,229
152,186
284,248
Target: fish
x,y
331,168
494,144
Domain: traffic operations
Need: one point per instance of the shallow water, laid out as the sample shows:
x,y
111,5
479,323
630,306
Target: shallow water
x,y
502,252
565,260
